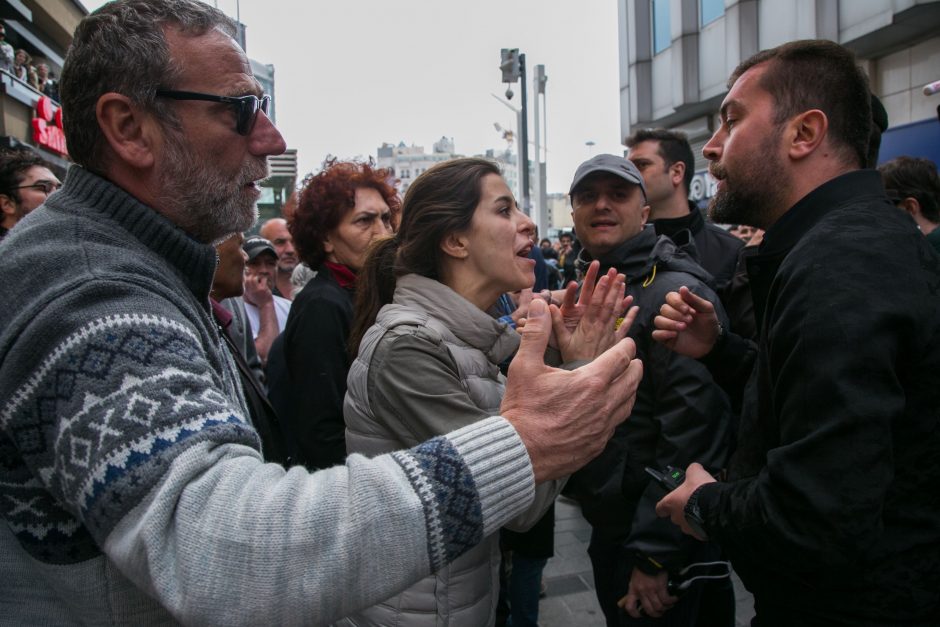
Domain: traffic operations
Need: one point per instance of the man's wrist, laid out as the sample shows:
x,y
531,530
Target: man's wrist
x,y
694,513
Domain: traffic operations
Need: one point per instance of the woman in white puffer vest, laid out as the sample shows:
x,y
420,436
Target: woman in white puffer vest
x,y
429,354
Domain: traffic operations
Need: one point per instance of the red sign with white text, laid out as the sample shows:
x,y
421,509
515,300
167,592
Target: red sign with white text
x,y
47,126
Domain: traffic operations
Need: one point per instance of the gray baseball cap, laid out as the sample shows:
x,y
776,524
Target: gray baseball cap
x,y
612,164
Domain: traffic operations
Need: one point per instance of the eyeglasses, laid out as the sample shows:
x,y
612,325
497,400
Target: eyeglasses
x,y
46,187
246,107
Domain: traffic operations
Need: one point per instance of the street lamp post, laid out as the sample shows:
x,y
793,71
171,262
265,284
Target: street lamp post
x,y
541,199
513,66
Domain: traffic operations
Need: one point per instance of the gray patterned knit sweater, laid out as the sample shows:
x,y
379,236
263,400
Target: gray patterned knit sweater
x,y
132,489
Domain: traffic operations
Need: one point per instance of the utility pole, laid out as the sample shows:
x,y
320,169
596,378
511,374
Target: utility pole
x,y
524,148
541,198
512,65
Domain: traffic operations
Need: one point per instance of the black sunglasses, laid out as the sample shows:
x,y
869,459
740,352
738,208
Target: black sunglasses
x,y
246,107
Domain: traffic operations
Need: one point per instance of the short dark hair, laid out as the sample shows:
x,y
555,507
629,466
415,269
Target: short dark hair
x,y
914,177
14,163
818,74
121,48
674,147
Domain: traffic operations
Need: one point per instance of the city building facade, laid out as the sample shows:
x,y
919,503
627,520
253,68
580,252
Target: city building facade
x,y
676,56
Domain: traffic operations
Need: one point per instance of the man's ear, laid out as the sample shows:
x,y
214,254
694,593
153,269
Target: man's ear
x,y
455,245
911,206
806,132
131,133
645,213
677,173
7,205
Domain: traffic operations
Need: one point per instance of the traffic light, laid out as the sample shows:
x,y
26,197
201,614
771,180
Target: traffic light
x,y
509,64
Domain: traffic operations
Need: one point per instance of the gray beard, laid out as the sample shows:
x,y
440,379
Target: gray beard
x,y
205,204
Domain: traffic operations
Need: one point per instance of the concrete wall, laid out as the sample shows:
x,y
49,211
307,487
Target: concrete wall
x,y
897,42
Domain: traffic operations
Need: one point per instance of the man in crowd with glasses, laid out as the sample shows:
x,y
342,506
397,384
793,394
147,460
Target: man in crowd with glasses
x,y
132,487
25,182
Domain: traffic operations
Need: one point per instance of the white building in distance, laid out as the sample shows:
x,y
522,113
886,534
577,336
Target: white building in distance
x,y
407,162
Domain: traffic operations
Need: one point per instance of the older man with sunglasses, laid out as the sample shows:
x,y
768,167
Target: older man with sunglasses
x,y
133,489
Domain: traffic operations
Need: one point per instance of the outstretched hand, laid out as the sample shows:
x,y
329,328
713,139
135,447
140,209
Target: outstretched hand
x,y
565,417
588,327
686,324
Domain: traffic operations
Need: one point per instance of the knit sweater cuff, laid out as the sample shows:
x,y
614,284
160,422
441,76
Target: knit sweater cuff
x,y
501,469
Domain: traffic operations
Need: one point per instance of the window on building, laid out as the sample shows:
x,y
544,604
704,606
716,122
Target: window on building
x,y
661,31
710,10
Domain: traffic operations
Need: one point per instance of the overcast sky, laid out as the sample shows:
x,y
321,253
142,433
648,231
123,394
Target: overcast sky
x,y
353,74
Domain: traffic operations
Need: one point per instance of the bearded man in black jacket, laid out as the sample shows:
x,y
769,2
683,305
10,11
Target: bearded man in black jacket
x,y
831,513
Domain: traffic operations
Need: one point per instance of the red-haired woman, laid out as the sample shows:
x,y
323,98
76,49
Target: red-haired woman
x,y
340,211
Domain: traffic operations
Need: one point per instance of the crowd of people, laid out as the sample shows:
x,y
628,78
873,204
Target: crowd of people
x,y
363,414
20,64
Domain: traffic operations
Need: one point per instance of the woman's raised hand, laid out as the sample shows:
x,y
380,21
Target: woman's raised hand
x,y
588,327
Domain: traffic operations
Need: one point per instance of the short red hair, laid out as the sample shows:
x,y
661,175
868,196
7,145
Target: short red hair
x,y
326,197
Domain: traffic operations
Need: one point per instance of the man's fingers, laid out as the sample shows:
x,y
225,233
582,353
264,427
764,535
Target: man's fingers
x,y
562,335
587,286
534,335
652,606
571,291
666,505
525,297
631,604
620,393
697,303
612,363
628,319
614,297
664,337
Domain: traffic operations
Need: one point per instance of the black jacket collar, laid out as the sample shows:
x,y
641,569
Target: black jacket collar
x,y
694,222
801,217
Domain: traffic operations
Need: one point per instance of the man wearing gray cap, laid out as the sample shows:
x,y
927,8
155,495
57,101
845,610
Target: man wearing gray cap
x,y
680,413
266,311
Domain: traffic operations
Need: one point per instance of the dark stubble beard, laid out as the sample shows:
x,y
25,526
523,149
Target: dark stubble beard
x,y
751,194
205,203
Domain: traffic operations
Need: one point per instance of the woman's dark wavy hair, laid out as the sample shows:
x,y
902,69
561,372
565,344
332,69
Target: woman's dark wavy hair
x,y
326,197
441,201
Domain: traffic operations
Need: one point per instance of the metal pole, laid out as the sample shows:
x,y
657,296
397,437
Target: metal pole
x,y
541,201
524,141
537,188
